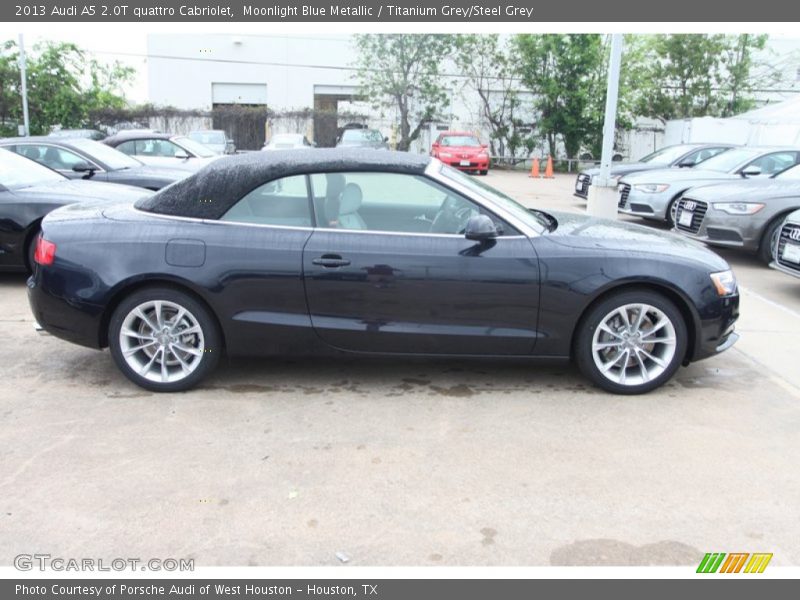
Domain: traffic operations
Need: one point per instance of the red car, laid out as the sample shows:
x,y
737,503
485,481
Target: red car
x,y
462,150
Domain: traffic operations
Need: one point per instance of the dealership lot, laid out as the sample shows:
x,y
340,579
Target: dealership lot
x,y
406,462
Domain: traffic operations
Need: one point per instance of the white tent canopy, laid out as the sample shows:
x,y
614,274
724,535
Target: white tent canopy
x,y
772,125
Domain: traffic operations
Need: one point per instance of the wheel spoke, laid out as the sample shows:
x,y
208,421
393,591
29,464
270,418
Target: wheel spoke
x,y
642,311
136,334
623,372
146,368
607,366
605,328
623,312
164,368
606,345
657,327
188,349
654,358
159,318
177,319
183,363
135,349
642,366
140,313
188,330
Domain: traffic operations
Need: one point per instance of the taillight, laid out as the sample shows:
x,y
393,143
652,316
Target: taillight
x,y
45,252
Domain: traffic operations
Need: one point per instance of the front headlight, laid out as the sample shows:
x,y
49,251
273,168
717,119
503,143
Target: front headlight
x,y
651,188
445,155
738,208
724,282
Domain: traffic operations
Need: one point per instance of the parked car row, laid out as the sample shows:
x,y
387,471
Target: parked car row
x,y
730,197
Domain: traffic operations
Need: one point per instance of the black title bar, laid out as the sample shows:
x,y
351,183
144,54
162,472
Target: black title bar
x,y
452,11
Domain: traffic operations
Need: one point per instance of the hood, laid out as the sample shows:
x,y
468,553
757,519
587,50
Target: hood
x,y
80,190
580,231
622,169
678,175
750,190
362,144
463,149
172,173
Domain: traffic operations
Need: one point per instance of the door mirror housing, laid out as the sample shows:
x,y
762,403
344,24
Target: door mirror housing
x,y
686,163
480,228
182,154
84,167
751,171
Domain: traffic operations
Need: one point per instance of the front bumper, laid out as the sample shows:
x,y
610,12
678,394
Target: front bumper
x,y
642,204
716,331
474,164
718,228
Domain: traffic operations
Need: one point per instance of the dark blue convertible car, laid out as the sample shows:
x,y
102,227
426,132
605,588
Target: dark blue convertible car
x,y
336,251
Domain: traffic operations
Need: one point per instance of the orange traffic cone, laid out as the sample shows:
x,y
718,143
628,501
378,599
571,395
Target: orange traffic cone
x,y
548,172
534,168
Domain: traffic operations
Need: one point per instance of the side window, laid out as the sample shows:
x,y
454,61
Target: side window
x,y
699,156
128,148
279,202
51,156
156,148
775,162
392,202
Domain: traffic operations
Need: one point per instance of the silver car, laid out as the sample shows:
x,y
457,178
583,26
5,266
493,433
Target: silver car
x,y
654,194
678,155
287,141
746,214
786,248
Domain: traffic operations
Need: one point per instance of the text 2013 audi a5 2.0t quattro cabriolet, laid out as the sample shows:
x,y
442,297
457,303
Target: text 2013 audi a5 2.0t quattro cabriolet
x,y
352,251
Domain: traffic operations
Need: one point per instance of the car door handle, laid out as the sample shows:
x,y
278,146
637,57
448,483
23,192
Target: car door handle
x,y
331,261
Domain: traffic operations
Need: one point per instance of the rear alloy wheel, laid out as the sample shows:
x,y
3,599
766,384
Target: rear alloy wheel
x,y
163,340
631,342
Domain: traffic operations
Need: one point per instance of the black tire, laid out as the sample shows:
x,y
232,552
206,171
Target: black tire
x,y
202,363
598,313
771,231
485,172
670,209
30,249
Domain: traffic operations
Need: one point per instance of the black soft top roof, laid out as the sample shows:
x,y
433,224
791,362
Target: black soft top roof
x,y
211,191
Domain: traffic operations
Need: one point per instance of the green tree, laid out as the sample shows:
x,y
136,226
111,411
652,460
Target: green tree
x,y
64,86
562,71
490,74
403,71
692,75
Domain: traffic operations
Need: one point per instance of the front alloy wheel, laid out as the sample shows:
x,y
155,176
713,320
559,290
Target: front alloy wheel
x,y
163,340
631,342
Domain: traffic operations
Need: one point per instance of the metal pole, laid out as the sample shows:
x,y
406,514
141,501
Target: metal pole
x,y
24,78
610,123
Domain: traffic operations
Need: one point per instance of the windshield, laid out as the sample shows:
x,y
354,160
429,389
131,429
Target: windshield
x,y
18,172
507,202
792,173
195,147
113,159
370,135
209,137
730,160
668,154
460,140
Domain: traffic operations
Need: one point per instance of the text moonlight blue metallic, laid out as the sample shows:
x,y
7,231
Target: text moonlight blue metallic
x,y
325,252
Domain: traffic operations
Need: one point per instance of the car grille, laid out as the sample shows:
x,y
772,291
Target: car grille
x,y
789,233
582,185
624,192
698,210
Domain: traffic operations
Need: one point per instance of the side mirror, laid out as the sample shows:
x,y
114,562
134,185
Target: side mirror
x,y
182,154
84,167
751,171
686,163
480,228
